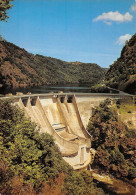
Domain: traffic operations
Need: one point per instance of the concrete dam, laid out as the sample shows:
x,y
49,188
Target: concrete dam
x,y
65,117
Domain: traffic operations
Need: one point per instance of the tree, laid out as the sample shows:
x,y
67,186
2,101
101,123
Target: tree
x,y
114,143
30,162
4,6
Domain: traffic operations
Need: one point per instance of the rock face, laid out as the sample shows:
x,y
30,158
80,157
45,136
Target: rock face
x,y
18,68
122,73
114,185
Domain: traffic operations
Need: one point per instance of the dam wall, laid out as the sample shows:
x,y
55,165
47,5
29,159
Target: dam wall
x,y
85,106
65,117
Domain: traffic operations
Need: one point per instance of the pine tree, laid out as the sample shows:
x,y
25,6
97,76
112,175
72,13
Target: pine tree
x,y
4,6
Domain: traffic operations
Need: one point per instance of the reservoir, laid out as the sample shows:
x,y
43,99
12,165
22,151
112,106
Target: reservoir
x,y
48,89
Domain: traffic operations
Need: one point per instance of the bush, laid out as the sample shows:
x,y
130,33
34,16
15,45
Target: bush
x,y
30,162
113,142
117,157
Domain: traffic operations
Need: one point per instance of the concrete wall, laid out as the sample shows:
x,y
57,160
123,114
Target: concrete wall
x,y
76,162
69,115
85,105
37,114
86,134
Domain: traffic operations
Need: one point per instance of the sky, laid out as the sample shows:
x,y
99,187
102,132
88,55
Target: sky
x,y
91,31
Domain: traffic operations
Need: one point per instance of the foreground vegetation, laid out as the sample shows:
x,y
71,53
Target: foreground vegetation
x,y
30,162
115,145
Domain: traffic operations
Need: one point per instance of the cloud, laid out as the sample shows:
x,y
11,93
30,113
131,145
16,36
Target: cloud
x,y
108,22
133,7
109,17
122,39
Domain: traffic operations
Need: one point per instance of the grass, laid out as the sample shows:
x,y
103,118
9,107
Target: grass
x,y
127,108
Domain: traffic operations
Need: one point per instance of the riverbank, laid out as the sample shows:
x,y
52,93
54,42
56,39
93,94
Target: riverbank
x,y
113,185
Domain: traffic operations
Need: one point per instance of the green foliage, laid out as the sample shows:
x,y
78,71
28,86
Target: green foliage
x,y
81,184
28,153
100,88
132,172
118,104
116,156
30,162
99,124
4,6
122,73
131,133
125,106
92,187
76,184
115,145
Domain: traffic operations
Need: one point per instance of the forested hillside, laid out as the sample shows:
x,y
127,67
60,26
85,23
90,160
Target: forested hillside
x,y
18,68
122,73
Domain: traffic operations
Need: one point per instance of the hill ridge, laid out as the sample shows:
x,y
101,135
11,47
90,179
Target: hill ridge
x,y
19,68
122,73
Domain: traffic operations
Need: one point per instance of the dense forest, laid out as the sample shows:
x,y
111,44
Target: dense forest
x,y
18,68
114,142
122,73
30,162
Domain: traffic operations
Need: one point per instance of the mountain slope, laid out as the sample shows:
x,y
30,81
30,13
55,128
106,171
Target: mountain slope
x,y
18,68
122,73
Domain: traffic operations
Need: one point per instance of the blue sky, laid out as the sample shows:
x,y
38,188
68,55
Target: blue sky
x,y
72,30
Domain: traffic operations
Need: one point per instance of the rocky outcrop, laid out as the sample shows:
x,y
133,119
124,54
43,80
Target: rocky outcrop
x,y
114,185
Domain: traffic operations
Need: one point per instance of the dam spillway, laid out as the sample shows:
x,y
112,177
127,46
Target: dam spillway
x,y
64,116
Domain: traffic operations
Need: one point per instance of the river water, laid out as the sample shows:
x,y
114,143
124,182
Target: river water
x,y
48,89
